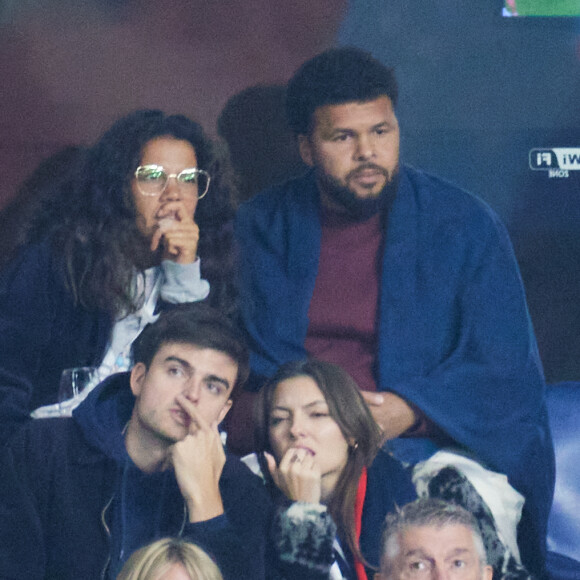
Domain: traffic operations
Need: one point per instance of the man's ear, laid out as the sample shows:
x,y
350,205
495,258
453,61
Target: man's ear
x,y
138,373
305,149
224,410
487,572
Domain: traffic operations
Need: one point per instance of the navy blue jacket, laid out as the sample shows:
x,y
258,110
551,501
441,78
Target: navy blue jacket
x,y
42,332
57,488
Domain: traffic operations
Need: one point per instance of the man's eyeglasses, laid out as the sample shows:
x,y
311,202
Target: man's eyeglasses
x,y
152,180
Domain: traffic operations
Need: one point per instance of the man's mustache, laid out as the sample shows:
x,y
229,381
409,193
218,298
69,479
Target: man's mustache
x,y
365,167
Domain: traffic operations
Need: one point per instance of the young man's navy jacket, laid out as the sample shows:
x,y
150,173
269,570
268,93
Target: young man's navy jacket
x,y
71,500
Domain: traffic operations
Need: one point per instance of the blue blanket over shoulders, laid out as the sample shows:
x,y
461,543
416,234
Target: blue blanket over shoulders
x,y
455,336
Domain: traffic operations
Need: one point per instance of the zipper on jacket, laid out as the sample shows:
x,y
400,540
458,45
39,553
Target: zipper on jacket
x,y
108,532
184,520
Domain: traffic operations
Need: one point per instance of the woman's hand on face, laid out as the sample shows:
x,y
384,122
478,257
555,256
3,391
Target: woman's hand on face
x,y
297,476
179,235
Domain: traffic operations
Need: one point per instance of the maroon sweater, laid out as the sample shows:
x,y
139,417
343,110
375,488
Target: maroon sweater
x,y
343,310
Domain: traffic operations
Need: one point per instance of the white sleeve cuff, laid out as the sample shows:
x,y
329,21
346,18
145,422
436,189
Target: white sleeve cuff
x,y
183,282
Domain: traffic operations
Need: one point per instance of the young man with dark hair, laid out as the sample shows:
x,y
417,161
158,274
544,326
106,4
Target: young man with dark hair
x,y
140,459
406,281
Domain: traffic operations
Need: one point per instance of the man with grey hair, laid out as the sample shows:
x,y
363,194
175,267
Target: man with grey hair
x,y
431,539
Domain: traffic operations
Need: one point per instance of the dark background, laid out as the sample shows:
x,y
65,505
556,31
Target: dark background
x,y
478,91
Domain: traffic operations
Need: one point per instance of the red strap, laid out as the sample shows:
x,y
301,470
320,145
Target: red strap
x,y
358,509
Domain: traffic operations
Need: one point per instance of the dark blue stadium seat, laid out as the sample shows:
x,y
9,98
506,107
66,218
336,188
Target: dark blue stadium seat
x,y
563,560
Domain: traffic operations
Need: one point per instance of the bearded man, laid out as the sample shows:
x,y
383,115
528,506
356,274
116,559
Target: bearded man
x,y
404,280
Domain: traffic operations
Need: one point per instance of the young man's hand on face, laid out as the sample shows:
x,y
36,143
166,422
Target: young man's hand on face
x,y
198,460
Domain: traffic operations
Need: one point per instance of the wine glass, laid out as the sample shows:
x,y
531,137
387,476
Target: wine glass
x,y
72,384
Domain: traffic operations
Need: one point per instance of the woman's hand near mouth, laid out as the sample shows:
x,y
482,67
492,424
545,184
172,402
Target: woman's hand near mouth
x,y
297,475
178,234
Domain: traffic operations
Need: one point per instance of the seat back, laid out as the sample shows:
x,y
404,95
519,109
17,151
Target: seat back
x,y
563,400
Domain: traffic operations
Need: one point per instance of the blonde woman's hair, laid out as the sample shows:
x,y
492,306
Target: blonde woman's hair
x,y
151,561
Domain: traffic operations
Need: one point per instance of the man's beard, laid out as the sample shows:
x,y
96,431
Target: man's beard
x,y
352,206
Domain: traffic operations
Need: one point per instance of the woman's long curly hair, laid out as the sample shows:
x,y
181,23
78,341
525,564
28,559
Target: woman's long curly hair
x,y
40,201
98,235
350,412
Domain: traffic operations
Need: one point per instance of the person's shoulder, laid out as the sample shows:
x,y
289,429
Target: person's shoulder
x,y
56,430
240,487
441,191
34,273
31,257
438,199
385,468
384,462
280,194
44,441
237,470
101,417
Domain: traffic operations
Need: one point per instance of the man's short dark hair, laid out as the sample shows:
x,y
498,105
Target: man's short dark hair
x,y
336,76
197,324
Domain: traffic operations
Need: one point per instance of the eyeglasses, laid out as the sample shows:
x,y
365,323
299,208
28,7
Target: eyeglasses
x,y
152,180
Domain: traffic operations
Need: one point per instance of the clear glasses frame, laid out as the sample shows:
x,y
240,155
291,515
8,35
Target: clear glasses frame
x,y
152,179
